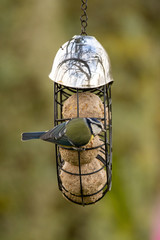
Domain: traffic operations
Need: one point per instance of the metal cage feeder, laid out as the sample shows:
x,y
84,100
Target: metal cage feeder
x,y
82,66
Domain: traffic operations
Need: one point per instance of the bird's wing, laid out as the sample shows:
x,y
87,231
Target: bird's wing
x,y
57,135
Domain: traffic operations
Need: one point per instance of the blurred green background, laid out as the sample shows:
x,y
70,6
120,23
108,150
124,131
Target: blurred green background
x,y
31,206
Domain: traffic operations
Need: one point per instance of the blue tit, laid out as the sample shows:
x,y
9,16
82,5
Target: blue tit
x,y
76,132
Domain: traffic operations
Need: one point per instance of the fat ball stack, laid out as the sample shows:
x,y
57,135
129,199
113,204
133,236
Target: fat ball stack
x,y
93,174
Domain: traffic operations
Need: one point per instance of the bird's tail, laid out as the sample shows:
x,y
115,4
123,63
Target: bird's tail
x,y
31,135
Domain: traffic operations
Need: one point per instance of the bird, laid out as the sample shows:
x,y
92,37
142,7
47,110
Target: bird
x,y
75,132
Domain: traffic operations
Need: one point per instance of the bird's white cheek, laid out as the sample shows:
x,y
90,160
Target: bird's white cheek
x,y
96,130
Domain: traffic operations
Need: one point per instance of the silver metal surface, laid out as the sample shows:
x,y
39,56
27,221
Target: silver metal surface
x,y
81,62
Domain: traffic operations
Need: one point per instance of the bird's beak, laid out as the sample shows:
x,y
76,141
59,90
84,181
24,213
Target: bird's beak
x,y
103,130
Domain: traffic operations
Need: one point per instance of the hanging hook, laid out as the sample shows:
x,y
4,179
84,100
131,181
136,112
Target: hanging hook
x,y
84,17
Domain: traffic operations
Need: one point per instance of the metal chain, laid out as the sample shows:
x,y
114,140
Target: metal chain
x,y
84,17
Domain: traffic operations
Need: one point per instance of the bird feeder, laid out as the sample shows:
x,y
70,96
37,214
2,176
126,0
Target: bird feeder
x,y
82,88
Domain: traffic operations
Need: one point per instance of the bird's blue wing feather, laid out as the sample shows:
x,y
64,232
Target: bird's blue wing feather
x,y
57,135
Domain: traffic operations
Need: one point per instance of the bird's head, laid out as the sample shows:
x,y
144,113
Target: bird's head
x,y
95,126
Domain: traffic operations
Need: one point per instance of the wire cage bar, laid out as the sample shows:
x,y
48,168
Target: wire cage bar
x,y
104,156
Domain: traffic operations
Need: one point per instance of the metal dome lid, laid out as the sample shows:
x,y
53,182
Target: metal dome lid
x,y
81,62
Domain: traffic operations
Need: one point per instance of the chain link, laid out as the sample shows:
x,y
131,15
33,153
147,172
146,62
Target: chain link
x,y
84,17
